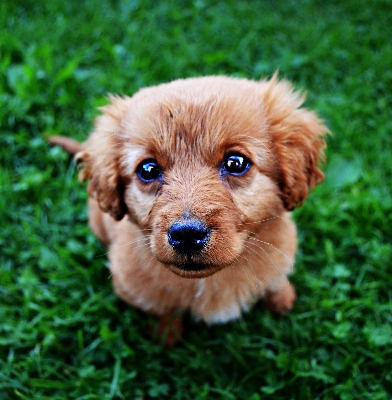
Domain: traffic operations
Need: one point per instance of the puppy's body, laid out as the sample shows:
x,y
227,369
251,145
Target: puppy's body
x,y
191,184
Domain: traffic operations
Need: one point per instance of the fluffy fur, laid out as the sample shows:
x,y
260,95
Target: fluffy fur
x,y
187,127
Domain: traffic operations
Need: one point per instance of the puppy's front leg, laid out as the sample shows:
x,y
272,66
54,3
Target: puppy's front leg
x,y
280,297
170,329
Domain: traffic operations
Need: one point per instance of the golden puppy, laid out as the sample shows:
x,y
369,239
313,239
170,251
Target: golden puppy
x,y
191,184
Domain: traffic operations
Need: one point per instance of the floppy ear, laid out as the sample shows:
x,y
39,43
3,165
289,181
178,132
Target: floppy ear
x,y
99,160
298,136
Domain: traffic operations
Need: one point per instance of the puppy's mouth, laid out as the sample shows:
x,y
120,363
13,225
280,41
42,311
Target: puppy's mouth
x,y
191,266
192,269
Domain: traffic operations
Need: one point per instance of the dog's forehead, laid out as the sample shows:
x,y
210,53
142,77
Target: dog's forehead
x,y
203,131
173,125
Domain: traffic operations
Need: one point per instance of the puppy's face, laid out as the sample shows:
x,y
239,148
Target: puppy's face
x,y
199,164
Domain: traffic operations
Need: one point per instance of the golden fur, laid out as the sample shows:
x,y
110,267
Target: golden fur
x,y
187,127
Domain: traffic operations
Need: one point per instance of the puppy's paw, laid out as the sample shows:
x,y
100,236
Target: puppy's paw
x,y
170,329
281,300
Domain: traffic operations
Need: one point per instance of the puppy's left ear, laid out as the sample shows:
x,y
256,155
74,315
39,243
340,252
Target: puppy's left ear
x,y
298,136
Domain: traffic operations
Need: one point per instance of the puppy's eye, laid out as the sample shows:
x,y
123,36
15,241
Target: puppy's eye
x,y
148,171
236,164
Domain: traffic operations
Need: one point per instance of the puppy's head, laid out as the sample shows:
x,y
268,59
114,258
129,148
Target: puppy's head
x,y
198,164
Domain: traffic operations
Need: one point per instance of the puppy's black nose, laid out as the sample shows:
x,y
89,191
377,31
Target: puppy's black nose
x,y
188,237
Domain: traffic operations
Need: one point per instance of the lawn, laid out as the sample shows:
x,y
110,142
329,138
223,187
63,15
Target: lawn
x,y
63,333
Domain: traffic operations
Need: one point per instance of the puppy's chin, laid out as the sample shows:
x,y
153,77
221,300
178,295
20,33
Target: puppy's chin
x,y
193,270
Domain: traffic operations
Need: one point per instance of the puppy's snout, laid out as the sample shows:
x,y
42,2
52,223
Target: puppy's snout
x,y
188,237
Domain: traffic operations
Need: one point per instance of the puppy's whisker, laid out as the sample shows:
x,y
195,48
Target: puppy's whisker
x,y
262,220
107,151
141,245
138,230
271,245
270,262
263,144
249,249
254,272
126,244
250,265
267,204
134,241
234,258
266,220
244,269
114,133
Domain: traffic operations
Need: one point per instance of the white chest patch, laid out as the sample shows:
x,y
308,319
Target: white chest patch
x,y
230,313
202,286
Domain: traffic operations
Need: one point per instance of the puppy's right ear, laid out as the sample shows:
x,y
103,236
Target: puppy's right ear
x,y
99,160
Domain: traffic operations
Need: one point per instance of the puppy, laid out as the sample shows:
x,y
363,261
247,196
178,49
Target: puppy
x,y
191,185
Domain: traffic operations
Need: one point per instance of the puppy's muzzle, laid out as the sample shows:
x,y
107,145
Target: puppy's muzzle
x,y
188,237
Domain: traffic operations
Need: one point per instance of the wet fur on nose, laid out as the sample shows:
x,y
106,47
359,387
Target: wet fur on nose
x,y
188,237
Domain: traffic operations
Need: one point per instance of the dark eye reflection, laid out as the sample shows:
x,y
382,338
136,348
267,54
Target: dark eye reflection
x,y
236,164
148,171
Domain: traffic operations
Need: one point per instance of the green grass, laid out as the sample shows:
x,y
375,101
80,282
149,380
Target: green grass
x,y
63,333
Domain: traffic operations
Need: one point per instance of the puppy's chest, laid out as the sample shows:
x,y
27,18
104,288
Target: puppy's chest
x,y
153,288
224,296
